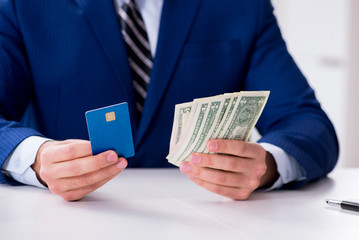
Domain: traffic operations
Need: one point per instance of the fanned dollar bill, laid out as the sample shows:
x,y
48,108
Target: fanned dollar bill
x,y
227,116
182,112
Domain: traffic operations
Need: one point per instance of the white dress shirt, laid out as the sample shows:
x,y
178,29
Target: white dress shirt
x,y
18,164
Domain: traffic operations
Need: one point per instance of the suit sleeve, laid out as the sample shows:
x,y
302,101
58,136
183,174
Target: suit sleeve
x,y
293,119
15,84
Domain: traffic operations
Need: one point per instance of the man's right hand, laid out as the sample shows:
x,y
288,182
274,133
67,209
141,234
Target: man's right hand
x,y
69,169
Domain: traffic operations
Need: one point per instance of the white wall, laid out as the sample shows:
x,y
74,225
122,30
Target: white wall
x,y
320,36
352,120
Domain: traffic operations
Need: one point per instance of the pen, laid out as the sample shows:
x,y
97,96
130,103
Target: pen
x,y
352,206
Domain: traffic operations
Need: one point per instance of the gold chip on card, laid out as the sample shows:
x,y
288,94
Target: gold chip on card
x,y
110,116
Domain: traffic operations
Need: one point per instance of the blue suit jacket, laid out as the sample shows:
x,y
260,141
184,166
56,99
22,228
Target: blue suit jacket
x,y
67,56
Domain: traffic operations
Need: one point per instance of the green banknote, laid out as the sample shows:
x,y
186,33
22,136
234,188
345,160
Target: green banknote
x,y
190,134
206,128
246,114
227,116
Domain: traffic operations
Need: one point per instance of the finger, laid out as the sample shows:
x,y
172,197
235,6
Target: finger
x,y
83,165
66,151
220,177
230,192
222,161
90,179
235,147
79,193
68,141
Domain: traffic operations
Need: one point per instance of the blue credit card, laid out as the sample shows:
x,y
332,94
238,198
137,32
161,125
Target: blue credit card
x,y
109,128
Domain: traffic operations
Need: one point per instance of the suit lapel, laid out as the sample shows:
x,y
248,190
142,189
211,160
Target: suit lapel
x,y
104,22
176,22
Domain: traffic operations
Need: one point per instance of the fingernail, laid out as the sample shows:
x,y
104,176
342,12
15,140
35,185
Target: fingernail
x,y
121,165
111,158
195,159
185,167
212,146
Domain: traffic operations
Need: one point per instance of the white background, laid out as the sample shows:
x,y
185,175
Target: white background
x,y
323,37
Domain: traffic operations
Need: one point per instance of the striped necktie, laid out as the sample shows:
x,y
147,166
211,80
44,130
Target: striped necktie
x,y
138,50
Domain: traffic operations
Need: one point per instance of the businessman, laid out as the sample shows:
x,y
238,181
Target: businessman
x,y
59,59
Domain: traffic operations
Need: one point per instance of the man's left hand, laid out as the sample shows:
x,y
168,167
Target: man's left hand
x,y
235,170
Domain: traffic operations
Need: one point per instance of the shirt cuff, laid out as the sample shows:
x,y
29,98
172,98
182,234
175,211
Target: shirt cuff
x,y
288,168
18,164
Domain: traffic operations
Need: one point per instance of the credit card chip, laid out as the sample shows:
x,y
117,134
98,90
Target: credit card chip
x,y
110,116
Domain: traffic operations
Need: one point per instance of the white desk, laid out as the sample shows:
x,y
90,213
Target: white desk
x,y
164,204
